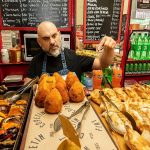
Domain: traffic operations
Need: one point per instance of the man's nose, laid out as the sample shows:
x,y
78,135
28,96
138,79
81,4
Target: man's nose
x,y
52,41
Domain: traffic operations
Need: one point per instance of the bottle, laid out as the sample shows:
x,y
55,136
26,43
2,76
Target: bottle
x,y
127,68
148,51
144,47
117,76
131,68
135,68
5,56
97,79
139,43
140,68
133,44
107,73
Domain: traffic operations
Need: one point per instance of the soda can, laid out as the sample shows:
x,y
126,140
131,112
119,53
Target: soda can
x,y
135,68
148,68
127,68
140,67
144,68
131,68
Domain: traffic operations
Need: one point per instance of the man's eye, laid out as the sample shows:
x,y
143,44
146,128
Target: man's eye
x,y
54,36
45,38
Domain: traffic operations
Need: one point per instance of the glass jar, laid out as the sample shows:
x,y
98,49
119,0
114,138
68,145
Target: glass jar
x,y
15,55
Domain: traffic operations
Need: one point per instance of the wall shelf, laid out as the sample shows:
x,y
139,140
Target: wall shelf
x,y
19,63
138,61
137,75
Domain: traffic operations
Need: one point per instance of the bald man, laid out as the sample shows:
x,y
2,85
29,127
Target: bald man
x,y
55,59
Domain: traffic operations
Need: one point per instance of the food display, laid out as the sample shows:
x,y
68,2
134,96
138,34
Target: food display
x,y
11,121
54,91
134,101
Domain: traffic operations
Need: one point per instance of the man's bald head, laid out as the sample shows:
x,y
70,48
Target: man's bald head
x,y
45,26
49,38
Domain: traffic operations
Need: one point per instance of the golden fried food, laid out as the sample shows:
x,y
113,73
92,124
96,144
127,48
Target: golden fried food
x,y
16,110
21,102
76,92
44,88
59,78
8,125
63,91
53,102
70,79
45,75
95,96
68,145
135,141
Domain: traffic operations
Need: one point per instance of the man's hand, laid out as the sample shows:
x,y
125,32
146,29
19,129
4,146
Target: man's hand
x,y
106,47
3,88
107,43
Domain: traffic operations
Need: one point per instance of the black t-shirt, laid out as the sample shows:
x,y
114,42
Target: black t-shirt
x,y
77,64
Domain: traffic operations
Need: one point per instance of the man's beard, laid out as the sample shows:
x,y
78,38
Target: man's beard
x,y
54,53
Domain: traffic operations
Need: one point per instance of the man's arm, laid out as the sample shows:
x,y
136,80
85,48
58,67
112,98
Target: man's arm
x,y
108,45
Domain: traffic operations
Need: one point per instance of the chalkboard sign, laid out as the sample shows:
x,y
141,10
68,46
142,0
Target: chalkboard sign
x,y
101,17
29,13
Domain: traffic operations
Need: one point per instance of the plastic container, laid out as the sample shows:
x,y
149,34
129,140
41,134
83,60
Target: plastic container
x,y
15,55
4,56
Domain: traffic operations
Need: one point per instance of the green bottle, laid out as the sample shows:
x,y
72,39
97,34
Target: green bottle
x,y
148,52
133,45
139,43
144,47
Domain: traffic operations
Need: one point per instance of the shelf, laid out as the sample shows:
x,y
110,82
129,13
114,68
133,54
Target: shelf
x,y
137,75
19,63
138,61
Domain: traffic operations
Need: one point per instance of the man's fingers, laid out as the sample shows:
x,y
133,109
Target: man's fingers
x,y
101,44
112,44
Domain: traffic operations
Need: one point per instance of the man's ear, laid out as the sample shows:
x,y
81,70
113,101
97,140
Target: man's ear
x,y
59,33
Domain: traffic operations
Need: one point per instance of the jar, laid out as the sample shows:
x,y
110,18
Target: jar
x,y
15,54
4,56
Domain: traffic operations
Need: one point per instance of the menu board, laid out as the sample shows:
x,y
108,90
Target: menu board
x,y
29,13
145,4
101,17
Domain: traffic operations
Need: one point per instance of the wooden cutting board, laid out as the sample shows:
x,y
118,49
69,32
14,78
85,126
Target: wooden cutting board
x,y
40,133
